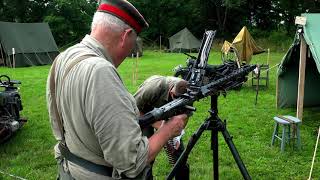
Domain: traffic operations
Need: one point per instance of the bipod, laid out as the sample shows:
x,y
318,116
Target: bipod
x,y
215,125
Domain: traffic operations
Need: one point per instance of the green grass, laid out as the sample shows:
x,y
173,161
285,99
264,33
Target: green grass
x,y
29,153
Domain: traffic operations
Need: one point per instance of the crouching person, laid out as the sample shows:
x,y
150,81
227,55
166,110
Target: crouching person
x,y
153,93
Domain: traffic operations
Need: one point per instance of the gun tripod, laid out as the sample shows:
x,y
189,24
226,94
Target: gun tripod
x,y
215,125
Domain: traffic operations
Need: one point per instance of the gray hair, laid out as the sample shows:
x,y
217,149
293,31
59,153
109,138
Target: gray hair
x,y
109,21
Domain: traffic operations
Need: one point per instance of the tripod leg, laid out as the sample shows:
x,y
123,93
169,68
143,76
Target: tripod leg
x,y
235,154
184,156
215,151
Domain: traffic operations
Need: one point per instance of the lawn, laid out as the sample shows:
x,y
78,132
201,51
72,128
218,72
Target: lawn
x,y
29,154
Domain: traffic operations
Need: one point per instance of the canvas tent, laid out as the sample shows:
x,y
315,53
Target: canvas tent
x,y
298,81
27,44
244,45
184,41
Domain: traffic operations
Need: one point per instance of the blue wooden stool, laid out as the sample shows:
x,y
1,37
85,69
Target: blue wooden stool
x,y
286,122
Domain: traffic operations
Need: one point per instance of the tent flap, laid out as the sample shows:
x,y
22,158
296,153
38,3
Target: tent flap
x,y
288,71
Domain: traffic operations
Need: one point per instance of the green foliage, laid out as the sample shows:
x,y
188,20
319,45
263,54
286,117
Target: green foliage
x,y
277,41
30,152
69,20
167,17
275,36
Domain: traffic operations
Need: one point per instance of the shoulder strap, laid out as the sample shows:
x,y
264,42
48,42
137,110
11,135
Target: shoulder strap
x,y
64,150
76,61
52,87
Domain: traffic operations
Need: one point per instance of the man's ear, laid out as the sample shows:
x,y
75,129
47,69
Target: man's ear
x,y
125,36
171,93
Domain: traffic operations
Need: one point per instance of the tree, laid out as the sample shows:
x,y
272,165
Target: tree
x,y
23,10
69,20
222,10
293,8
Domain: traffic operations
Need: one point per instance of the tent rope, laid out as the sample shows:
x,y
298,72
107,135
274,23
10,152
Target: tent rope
x,y
263,71
67,45
49,56
27,57
314,155
11,175
39,59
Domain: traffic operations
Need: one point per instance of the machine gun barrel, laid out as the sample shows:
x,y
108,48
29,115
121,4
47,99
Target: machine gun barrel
x,y
199,66
220,83
205,49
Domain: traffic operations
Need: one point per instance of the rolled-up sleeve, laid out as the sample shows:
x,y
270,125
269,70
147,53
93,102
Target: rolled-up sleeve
x,y
112,117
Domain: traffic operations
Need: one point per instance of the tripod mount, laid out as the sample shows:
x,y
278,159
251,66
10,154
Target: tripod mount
x,y
214,124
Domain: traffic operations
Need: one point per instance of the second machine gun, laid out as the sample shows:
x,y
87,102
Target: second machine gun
x,y
10,107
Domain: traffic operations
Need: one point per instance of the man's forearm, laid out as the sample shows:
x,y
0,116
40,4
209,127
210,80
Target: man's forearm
x,y
157,141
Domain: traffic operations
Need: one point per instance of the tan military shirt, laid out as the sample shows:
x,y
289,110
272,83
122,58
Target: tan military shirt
x,y
99,114
154,92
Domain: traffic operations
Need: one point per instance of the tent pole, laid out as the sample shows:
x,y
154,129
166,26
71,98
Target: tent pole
x,y
13,61
2,54
13,58
277,91
9,61
268,59
136,69
133,71
302,71
314,154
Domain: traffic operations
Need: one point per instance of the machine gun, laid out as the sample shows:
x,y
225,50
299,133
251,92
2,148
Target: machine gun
x,y
10,107
203,81
212,72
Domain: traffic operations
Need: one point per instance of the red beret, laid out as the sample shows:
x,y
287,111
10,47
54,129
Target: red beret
x,y
125,11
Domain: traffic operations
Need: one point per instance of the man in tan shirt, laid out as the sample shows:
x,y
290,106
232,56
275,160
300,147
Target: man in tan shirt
x,y
98,114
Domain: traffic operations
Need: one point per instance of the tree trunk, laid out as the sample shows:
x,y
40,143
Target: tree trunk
x,y
219,18
224,22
